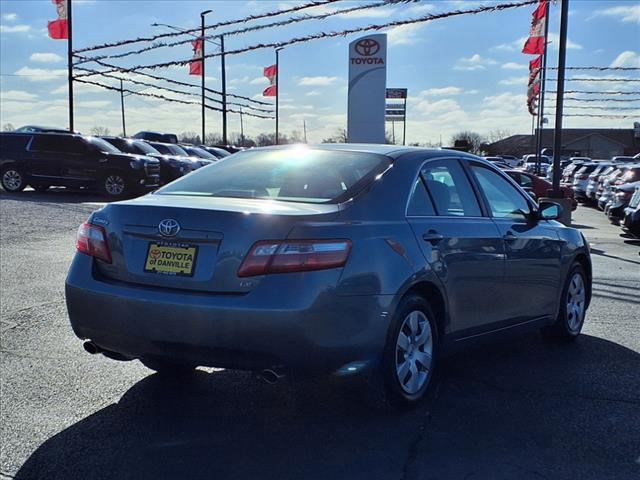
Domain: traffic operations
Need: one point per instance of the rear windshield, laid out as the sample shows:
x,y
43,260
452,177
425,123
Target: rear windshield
x,y
294,175
199,152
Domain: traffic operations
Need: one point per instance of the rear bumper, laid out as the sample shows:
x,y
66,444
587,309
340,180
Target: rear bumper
x,y
296,331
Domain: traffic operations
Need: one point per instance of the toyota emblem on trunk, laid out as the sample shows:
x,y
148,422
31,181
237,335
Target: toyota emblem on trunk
x,y
169,227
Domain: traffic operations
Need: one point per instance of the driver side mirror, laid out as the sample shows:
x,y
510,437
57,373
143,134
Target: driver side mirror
x,y
549,211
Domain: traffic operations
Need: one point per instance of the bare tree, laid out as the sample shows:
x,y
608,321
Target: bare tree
x,y
189,137
473,140
339,136
99,131
498,134
8,127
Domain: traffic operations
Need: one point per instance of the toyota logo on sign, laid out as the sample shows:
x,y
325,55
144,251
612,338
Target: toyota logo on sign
x,y
169,227
367,47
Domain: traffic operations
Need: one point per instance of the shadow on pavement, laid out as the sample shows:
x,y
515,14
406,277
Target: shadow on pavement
x,y
55,195
521,409
596,251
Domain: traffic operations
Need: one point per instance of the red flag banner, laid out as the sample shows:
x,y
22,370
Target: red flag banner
x,y
534,69
195,66
270,72
535,43
270,91
59,29
533,89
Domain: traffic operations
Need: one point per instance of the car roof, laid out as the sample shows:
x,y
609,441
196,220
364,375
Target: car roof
x,y
394,151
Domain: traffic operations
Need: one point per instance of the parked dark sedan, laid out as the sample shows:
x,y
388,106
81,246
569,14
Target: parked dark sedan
x,y
327,259
631,220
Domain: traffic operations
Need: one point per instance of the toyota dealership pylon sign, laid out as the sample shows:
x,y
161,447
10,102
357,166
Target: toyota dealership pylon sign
x,y
367,87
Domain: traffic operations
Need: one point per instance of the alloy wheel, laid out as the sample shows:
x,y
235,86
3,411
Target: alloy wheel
x,y
114,185
414,352
575,302
12,180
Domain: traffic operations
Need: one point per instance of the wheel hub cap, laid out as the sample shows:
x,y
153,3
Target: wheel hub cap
x,y
414,352
575,302
12,179
114,185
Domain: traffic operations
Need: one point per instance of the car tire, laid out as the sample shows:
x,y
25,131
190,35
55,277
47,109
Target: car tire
x,y
115,185
573,307
409,359
40,188
168,367
12,179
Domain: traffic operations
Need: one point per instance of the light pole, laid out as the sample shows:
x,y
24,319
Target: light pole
x,y
202,40
224,92
124,127
277,91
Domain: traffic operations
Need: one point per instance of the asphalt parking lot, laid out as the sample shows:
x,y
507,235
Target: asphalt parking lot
x,y
522,409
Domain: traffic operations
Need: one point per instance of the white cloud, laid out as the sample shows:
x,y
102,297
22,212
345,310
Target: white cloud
x,y
624,13
514,81
10,17
514,66
15,28
94,103
420,9
17,95
441,92
45,57
627,59
259,81
313,93
474,62
404,35
553,39
41,74
317,81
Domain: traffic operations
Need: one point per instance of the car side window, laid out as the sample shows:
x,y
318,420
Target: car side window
x,y
525,181
504,200
450,189
419,202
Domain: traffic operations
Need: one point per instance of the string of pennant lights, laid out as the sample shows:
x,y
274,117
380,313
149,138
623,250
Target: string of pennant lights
x,y
152,38
342,33
181,92
281,23
162,97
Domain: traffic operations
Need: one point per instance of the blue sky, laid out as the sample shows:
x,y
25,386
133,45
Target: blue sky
x,y
463,73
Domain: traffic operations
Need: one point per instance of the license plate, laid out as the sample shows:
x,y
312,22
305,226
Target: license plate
x,y
171,259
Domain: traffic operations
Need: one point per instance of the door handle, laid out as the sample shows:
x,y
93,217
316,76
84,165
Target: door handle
x,y
509,237
432,237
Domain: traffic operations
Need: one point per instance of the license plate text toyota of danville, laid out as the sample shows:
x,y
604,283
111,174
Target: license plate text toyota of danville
x,y
171,259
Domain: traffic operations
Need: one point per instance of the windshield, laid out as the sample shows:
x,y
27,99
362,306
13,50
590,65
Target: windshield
x,y
294,174
103,145
144,147
168,149
201,153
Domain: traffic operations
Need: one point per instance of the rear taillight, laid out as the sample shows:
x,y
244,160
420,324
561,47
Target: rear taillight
x,y
92,240
294,256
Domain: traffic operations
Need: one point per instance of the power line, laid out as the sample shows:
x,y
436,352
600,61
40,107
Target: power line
x,y
596,107
324,35
162,97
603,99
597,79
297,8
600,69
591,92
280,23
595,115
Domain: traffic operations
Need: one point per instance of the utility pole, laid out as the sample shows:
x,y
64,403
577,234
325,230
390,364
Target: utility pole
x,y
304,129
241,129
224,92
393,132
124,128
202,15
277,92
562,54
542,88
404,123
70,63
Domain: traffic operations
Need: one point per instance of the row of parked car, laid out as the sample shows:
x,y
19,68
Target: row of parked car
x,y
115,166
613,186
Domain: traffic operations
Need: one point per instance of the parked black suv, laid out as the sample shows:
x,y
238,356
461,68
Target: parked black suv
x,y
171,166
157,137
45,159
